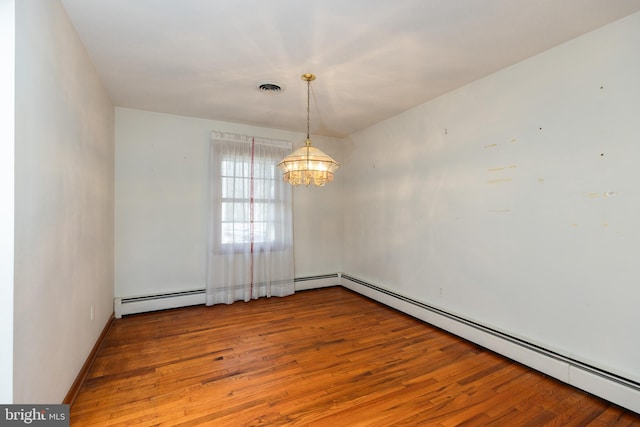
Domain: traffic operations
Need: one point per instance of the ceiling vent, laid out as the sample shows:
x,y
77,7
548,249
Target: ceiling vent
x,y
270,88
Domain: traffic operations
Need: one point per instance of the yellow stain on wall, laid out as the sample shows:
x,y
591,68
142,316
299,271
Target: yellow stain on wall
x,y
502,168
604,194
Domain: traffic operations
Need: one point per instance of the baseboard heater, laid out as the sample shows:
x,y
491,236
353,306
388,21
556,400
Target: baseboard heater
x,y
143,304
610,386
314,282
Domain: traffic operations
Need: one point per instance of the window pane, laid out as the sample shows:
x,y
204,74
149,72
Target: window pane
x,y
235,233
258,214
270,190
227,187
258,188
242,168
264,170
271,232
259,232
241,188
227,233
226,168
242,232
263,212
235,212
235,208
241,212
227,212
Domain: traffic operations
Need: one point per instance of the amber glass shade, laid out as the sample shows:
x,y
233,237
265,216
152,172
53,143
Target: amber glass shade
x,y
308,165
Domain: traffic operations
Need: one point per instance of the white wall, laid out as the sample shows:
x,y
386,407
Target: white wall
x,y
64,163
513,201
7,126
161,203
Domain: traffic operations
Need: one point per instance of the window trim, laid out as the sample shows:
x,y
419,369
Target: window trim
x,y
242,247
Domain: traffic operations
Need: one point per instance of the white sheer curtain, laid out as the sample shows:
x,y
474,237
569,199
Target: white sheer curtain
x,y
250,250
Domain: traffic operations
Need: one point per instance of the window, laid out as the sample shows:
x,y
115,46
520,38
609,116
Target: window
x,y
251,203
250,246
247,203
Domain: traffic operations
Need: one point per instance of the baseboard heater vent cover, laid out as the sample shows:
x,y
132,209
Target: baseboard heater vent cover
x,y
614,388
141,304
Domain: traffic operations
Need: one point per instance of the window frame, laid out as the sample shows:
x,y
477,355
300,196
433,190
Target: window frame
x,y
272,226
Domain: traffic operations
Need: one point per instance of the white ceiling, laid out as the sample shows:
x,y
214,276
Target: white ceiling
x,y
373,58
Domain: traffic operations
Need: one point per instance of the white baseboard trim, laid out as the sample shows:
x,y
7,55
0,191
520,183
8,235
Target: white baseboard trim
x,y
618,390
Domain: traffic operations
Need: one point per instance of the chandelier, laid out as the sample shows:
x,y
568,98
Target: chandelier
x,y
307,164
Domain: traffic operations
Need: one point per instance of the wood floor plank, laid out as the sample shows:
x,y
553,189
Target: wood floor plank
x,y
326,357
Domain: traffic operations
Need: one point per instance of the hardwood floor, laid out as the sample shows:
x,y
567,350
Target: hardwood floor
x,y
326,357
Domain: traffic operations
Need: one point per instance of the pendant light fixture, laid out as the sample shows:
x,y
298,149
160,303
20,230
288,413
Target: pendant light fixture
x,y
307,164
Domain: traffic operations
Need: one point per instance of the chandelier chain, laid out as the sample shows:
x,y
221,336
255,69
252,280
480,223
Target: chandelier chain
x,y
308,110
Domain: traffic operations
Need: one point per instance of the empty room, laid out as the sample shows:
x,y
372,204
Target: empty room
x,y
363,212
